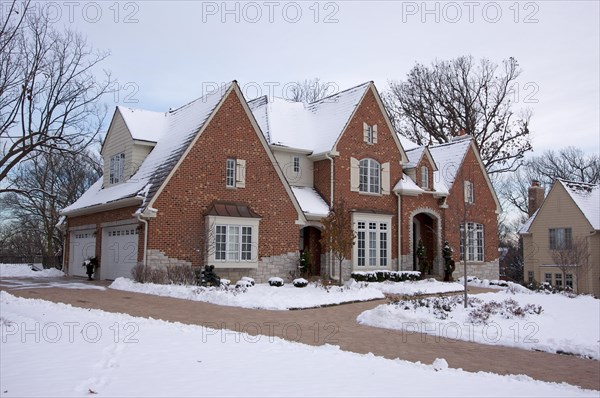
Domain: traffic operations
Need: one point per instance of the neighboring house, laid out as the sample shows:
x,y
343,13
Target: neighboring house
x,y
561,239
243,186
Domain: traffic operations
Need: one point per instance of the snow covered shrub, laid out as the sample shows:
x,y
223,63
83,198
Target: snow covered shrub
x,y
247,278
225,282
243,283
382,276
145,274
181,275
300,282
507,309
275,281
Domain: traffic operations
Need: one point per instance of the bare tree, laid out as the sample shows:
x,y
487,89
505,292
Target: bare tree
x,y
450,97
49,93
310,91
337,235
568,163
47,185
573,258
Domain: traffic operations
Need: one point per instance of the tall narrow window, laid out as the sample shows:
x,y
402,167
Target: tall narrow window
x,y
383,244
369,173
424,177
296,164
117,167
474,242
230,175
372,244
469,192
361,243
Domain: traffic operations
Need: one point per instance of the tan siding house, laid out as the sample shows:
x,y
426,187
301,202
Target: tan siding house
x,y
568,216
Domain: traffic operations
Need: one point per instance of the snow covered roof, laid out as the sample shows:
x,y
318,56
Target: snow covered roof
x,y
407,144
407,186
587,198
525,227
145,125
448,158
180,128
314,127
311,202
414,155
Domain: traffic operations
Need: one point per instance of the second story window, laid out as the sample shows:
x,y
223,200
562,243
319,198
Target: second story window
x,y
117,168
369,176
559,238
424,177
469,192
370,133
235,174
296,164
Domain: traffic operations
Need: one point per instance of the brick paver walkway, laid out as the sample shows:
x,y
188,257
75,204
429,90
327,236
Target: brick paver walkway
x,y
334,325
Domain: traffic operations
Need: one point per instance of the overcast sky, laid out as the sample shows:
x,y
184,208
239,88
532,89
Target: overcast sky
x,y
166,53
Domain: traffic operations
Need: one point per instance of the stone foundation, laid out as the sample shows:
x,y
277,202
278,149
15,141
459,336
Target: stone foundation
x,y
281,266
158,259
490,270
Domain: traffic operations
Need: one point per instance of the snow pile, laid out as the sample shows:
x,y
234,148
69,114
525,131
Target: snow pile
x,y
112,355
24,270
495,284
260,296
565,325
414,288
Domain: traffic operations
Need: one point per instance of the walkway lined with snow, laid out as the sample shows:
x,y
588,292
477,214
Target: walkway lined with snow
x,y
337,326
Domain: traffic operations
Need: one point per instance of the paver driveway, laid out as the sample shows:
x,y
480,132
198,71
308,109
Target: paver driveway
x,y
333,325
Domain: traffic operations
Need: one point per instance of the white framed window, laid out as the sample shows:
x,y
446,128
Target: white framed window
x,y
529,276
548,278
117,168
469,192
558,281
370,133
296,162
233,242
559,238
371,248
369,176
474,242
424,177
235,174
569,280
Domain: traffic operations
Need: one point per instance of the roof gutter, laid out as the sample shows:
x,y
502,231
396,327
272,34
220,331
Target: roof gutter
x,y
126,202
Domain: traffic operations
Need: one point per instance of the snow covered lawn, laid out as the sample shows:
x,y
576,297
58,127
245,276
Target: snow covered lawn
x,y
408,288
569,325
260,296
24,270
53,349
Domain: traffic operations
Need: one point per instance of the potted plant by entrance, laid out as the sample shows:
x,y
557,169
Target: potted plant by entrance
x,y
90,267
423,263
449,265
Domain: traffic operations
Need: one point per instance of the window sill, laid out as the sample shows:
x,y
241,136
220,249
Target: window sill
x,y
236,264
370,193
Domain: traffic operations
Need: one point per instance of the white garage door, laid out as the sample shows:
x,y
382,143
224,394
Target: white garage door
x,y
119,251
82,245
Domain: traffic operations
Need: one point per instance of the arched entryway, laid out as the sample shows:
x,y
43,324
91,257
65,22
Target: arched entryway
x,y
425,226
310,242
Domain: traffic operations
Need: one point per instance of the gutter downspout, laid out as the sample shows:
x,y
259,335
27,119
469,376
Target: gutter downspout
x,y
145,258
331,265
399,231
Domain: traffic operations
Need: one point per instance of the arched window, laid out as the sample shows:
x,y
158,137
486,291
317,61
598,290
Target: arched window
x,y
369,174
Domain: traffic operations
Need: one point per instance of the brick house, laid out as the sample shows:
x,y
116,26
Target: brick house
x,y
243,185
565,224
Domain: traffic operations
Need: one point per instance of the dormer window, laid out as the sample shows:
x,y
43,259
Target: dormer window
x,y
424,177
117,167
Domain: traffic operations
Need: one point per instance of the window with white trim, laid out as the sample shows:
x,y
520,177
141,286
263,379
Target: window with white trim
x,y
474,242
370,133
296,164
235,174
424,177
232,242
558,281
117,168
369,176
469,192
548,278
559,238
569,280
372,242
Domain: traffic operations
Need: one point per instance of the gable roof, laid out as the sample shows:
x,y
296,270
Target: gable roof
x,y
181,126
145,125
416,154
587,198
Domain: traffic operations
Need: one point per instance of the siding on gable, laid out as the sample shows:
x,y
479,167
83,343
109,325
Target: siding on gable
x,y
303,178
118,140
138,154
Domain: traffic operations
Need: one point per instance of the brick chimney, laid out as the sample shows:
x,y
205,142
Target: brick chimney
x,y
535,196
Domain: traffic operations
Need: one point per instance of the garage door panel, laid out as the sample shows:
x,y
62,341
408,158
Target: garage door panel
x,y
82,246
120,251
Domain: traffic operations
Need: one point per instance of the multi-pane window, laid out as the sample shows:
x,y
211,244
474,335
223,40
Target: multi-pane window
x,y
372,244
117,167
474,242
424,177
529,276
370,133
558,281
469,192
369,176
230,175
548,277
296,164
233,243
560,238
569,280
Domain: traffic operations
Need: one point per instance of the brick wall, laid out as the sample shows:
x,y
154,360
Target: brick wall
x,y
178,229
